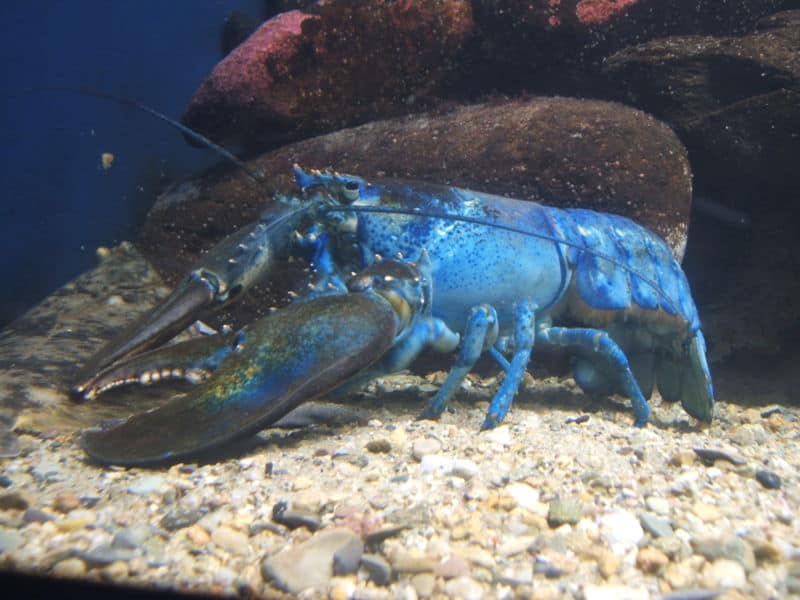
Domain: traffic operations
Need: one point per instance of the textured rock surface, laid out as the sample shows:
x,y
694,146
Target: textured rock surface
x,y
302,73
734,102
338,63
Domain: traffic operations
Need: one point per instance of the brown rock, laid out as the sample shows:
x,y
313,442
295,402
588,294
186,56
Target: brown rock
x,y
64,503
650,560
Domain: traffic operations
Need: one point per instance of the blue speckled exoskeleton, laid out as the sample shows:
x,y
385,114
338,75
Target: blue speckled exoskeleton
x,y
469,273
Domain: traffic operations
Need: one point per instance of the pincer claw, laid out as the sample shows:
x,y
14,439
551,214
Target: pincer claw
x,y
154,328
275,364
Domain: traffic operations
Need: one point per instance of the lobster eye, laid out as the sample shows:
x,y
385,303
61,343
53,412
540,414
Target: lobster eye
x,y
351,191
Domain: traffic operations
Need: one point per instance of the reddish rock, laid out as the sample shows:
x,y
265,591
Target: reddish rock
x,y
303,73
560,151
655,17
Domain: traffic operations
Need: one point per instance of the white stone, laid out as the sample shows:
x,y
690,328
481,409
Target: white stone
x,y
614,592
660,506
524,495
726,573
621,531
498,435
436,463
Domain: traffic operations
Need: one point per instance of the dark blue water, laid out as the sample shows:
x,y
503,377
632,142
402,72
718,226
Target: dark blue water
x,y
58,203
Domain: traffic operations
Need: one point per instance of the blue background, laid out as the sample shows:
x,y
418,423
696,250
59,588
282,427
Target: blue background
x,y
58,203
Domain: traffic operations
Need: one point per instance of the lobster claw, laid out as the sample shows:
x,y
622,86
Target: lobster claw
x,y
273,365
225,272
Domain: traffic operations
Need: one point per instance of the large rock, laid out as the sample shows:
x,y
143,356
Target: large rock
x,y
559,151
302,73
735,103
683,79
650,17
338,63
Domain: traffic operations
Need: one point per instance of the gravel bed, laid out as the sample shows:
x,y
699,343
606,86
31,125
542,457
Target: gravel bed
x,y
565,500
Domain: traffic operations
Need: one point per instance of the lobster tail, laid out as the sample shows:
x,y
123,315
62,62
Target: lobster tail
x,y
685,376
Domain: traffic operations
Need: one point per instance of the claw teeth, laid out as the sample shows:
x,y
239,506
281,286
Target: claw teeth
x,y
195,375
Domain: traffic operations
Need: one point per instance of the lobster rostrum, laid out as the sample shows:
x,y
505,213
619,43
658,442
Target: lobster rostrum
x,y
471,271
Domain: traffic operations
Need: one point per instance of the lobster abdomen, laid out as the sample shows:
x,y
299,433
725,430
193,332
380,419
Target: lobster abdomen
x,y
628,282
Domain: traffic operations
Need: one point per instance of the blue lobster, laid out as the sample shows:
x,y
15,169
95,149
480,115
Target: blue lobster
x,y
469,271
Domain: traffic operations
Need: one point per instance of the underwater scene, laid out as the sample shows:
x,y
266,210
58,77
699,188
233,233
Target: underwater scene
x,y
403,299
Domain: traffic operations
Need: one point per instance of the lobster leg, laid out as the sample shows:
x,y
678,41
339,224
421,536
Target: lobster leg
x,y
479,335
600,344
524,335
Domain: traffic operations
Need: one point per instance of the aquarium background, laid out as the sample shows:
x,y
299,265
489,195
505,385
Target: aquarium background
x,y
59,203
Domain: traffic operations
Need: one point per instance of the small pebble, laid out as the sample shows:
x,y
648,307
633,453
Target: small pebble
x,y
178,519
768,479
660,506
577,420
64,503
464,468
621,531
379,446
607,562
455,566
774,410
709,455
302,482
124,539
34,515
692,595
374,538
725,573
198,535
10,540
614,592
465,588
682,458
524,495
423,584
104,555
295,517
731,548
147,485
650,560
655,526
378,569
406,563
69,567
13,501
425,446
561,511
77,519
499,435
348,556
231,540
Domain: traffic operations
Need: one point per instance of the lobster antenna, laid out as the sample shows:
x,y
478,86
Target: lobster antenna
x,y
197,137
392,210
